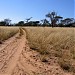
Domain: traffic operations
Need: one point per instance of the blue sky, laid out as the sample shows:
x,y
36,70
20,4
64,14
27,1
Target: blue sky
x,y
17,10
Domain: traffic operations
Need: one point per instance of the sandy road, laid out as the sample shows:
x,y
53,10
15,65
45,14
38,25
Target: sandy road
x,y
16,58
10,52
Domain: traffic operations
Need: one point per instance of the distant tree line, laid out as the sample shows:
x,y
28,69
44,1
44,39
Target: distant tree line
x,y
54,21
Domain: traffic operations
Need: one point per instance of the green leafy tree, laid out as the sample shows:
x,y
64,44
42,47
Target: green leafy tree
x,y
2,23
21,23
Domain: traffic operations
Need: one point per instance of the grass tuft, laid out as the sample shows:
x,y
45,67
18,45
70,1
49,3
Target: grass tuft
x,y
7,32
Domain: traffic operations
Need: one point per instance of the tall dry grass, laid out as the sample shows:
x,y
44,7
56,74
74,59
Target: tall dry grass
x,y
57,42
7,32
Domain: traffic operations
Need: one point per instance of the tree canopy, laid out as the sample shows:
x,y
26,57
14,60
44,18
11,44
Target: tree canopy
x,y
55,20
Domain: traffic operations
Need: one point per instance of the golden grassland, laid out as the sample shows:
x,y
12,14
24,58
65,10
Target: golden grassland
x,y
56,42
49,42
7,32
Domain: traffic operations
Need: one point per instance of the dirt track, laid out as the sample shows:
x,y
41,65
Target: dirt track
x,y
16,58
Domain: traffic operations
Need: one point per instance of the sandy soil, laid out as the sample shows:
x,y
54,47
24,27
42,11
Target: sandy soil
x,y
16,58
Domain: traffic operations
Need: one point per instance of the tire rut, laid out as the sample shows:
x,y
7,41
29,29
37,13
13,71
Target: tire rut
x,y
9,55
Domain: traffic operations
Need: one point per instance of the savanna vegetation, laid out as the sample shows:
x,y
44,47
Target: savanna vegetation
x,y
54,21
54,42
49,42
7,32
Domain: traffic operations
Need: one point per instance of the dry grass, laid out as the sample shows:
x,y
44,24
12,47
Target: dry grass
x,y
57,42
7,32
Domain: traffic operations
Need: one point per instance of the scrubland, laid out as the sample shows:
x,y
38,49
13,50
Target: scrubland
x,y
54,42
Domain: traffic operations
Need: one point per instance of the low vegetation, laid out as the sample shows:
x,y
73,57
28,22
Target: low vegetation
x,y
56,42
55,20
7,32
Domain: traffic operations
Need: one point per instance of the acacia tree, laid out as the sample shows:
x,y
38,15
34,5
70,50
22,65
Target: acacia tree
x,y
67,21
45,22
7,21
53,18
27,20
58,18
